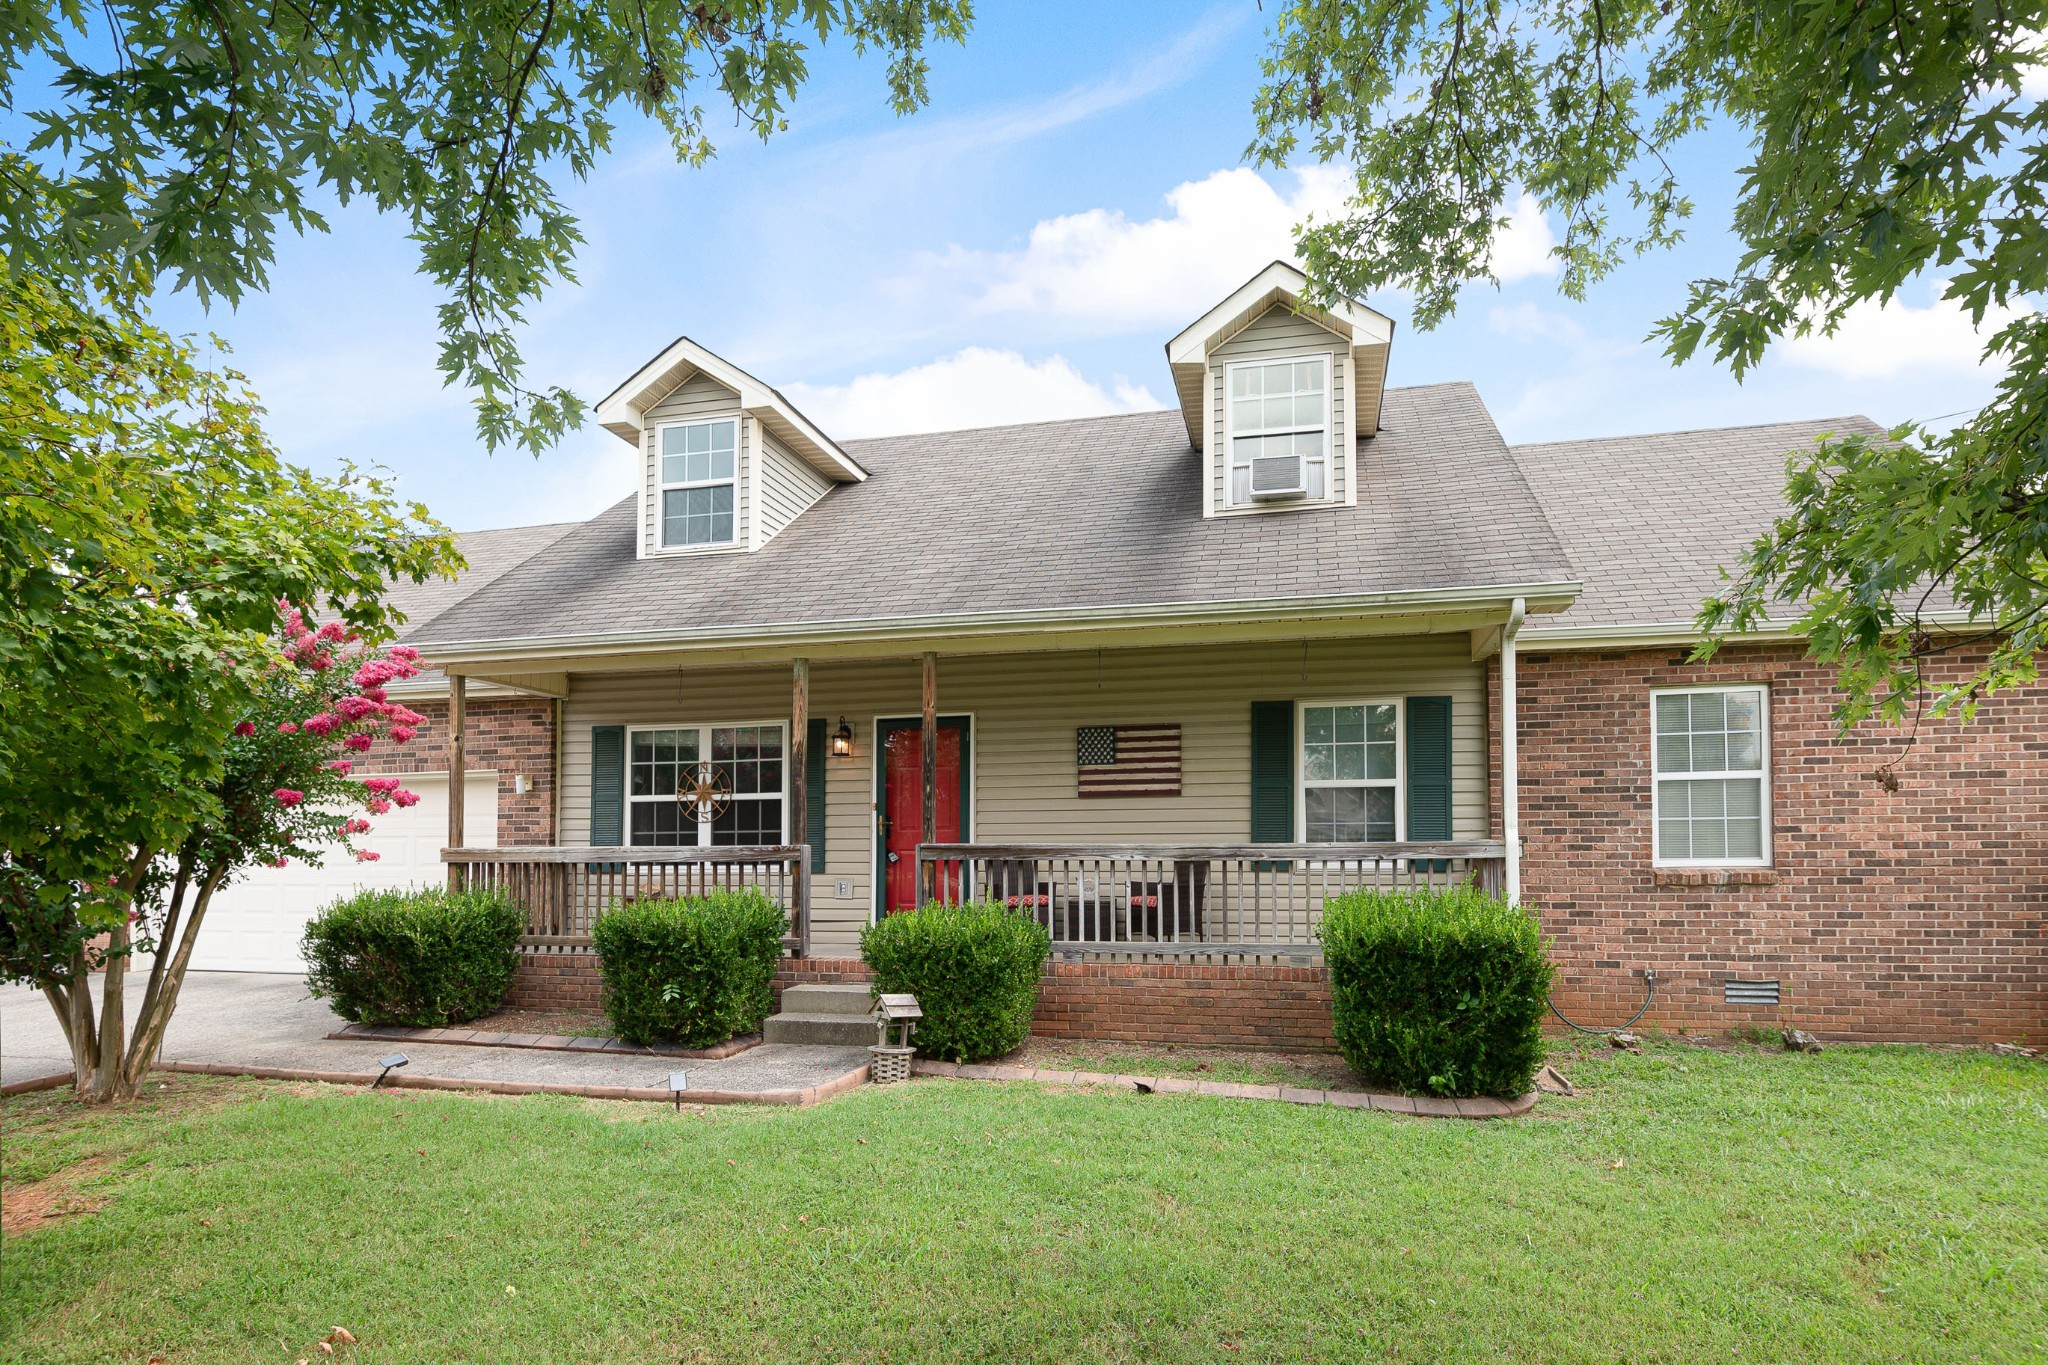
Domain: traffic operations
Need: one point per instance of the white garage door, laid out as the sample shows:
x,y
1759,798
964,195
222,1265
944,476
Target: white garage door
x,y
255,924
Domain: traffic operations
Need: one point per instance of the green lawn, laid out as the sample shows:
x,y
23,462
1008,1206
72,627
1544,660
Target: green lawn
x,y
1864,1204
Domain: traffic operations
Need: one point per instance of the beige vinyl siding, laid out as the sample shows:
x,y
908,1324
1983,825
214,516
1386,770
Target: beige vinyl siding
x,y
788,486
699,398
1025,711
1274,333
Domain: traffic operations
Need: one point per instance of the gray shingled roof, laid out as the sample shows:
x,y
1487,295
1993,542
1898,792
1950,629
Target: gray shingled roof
x,y
1101,512
1649,521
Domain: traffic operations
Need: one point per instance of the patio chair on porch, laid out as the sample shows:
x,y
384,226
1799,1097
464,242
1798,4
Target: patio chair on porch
x,y
1014,882
1171,909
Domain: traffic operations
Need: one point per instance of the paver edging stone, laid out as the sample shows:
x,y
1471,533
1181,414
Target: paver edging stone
x,y
1416,1106
801,1099
542,1042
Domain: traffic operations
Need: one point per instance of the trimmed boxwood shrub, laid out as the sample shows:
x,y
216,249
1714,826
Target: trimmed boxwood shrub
x,y
973,968
1437,991
694,972
422,958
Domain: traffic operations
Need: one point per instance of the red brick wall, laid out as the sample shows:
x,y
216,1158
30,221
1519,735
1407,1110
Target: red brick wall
x,y
513,735
1920,913
1237,1006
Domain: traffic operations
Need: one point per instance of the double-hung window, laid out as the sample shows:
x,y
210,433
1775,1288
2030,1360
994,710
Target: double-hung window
x,y
1711,774
744,764
1350,772
1279,408
698,483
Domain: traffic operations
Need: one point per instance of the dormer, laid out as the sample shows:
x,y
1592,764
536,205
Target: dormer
x,y
1277,394
725,461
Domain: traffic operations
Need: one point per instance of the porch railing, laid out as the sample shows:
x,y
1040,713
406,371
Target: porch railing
x,y
564,890
1173,900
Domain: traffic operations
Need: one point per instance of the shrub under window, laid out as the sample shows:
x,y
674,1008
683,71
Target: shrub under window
x,y
1440,992
423,958
973,968
694,972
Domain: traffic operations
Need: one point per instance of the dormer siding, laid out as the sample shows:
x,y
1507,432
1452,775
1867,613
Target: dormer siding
x,y
1280,334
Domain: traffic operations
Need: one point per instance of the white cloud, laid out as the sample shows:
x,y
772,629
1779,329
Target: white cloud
x,y
1105,267
975,387
1521,251
1885,342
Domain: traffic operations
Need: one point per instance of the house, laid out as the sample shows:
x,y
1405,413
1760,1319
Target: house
x,y
255,923
1167,680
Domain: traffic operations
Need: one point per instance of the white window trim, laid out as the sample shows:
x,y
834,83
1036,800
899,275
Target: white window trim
x,y
663,487
703,747
1763,773
1399,781
1329,430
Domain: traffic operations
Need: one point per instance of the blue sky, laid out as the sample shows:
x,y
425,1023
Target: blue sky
x,y
1020,250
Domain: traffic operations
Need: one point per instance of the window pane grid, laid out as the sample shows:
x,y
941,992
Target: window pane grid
x,y
699,483
1280,408
749,757
1350,763
1708,759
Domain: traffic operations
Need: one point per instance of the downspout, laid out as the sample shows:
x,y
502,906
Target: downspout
x,y
1510,785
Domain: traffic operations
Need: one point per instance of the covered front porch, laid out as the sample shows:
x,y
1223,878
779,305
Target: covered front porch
x,y
1155,794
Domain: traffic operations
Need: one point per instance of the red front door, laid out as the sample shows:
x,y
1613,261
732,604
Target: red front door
x,y
903,803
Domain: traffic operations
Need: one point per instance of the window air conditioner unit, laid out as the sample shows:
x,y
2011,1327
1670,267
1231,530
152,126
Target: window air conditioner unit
x,y
1279,476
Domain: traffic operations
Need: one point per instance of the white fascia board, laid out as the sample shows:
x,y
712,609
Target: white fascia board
x,y
1540,597
1364,326
623,411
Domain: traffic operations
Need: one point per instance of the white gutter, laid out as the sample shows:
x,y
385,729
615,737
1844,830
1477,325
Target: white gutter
x,y
1510,778
1656,633
992,623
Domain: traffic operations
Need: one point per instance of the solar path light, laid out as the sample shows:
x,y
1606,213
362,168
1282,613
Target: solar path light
x,y
390,1064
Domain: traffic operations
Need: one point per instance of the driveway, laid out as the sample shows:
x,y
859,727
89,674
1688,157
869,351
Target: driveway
x,y
266,1020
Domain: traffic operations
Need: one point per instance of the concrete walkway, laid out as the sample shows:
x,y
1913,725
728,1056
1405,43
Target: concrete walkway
x,y
259,1023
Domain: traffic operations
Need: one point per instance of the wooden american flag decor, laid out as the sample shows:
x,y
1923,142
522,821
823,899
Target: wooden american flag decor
x,y
1128,760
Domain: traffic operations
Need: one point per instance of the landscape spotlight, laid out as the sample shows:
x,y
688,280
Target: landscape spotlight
x,y
678,1082
396,1059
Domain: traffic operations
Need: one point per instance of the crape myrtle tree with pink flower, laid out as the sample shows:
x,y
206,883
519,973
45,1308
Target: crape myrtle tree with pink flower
x,y
168,719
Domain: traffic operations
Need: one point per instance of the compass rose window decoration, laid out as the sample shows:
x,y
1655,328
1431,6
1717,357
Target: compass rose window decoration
x,y
703,785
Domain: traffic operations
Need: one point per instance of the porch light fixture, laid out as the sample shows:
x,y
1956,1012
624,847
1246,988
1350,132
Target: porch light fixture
x,y
391,1063
842,740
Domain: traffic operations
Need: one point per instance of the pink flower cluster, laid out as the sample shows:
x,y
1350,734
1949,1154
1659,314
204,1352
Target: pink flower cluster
x,y
287,797
364,855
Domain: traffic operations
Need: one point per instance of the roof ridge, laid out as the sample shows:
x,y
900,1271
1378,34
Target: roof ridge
x,y
1011,426
1696,431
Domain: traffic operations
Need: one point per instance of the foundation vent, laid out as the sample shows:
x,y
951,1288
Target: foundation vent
x,y
1750,992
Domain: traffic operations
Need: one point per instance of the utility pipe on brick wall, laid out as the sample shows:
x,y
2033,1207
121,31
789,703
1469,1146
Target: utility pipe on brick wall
x,y
1510,783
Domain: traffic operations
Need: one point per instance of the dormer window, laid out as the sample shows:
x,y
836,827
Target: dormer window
x,y
698,483
1279,419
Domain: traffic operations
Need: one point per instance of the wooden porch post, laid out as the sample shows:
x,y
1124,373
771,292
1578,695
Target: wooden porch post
x,y
457,725
798,771
930,761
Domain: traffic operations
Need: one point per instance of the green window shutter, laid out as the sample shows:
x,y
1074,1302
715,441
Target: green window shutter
x,y
607,785
1272,772
1429,767
814,792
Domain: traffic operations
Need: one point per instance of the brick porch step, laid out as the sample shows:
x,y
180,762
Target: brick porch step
x,y
835,1015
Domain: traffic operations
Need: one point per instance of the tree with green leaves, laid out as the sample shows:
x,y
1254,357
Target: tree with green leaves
x,y
148,533
175,139
1887,143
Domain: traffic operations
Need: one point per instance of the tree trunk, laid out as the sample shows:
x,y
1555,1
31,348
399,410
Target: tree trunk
x,y
155,1016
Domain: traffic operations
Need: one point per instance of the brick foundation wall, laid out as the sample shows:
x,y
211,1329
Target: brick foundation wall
x,y
513,735
1915,914
556,981
1252,1006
